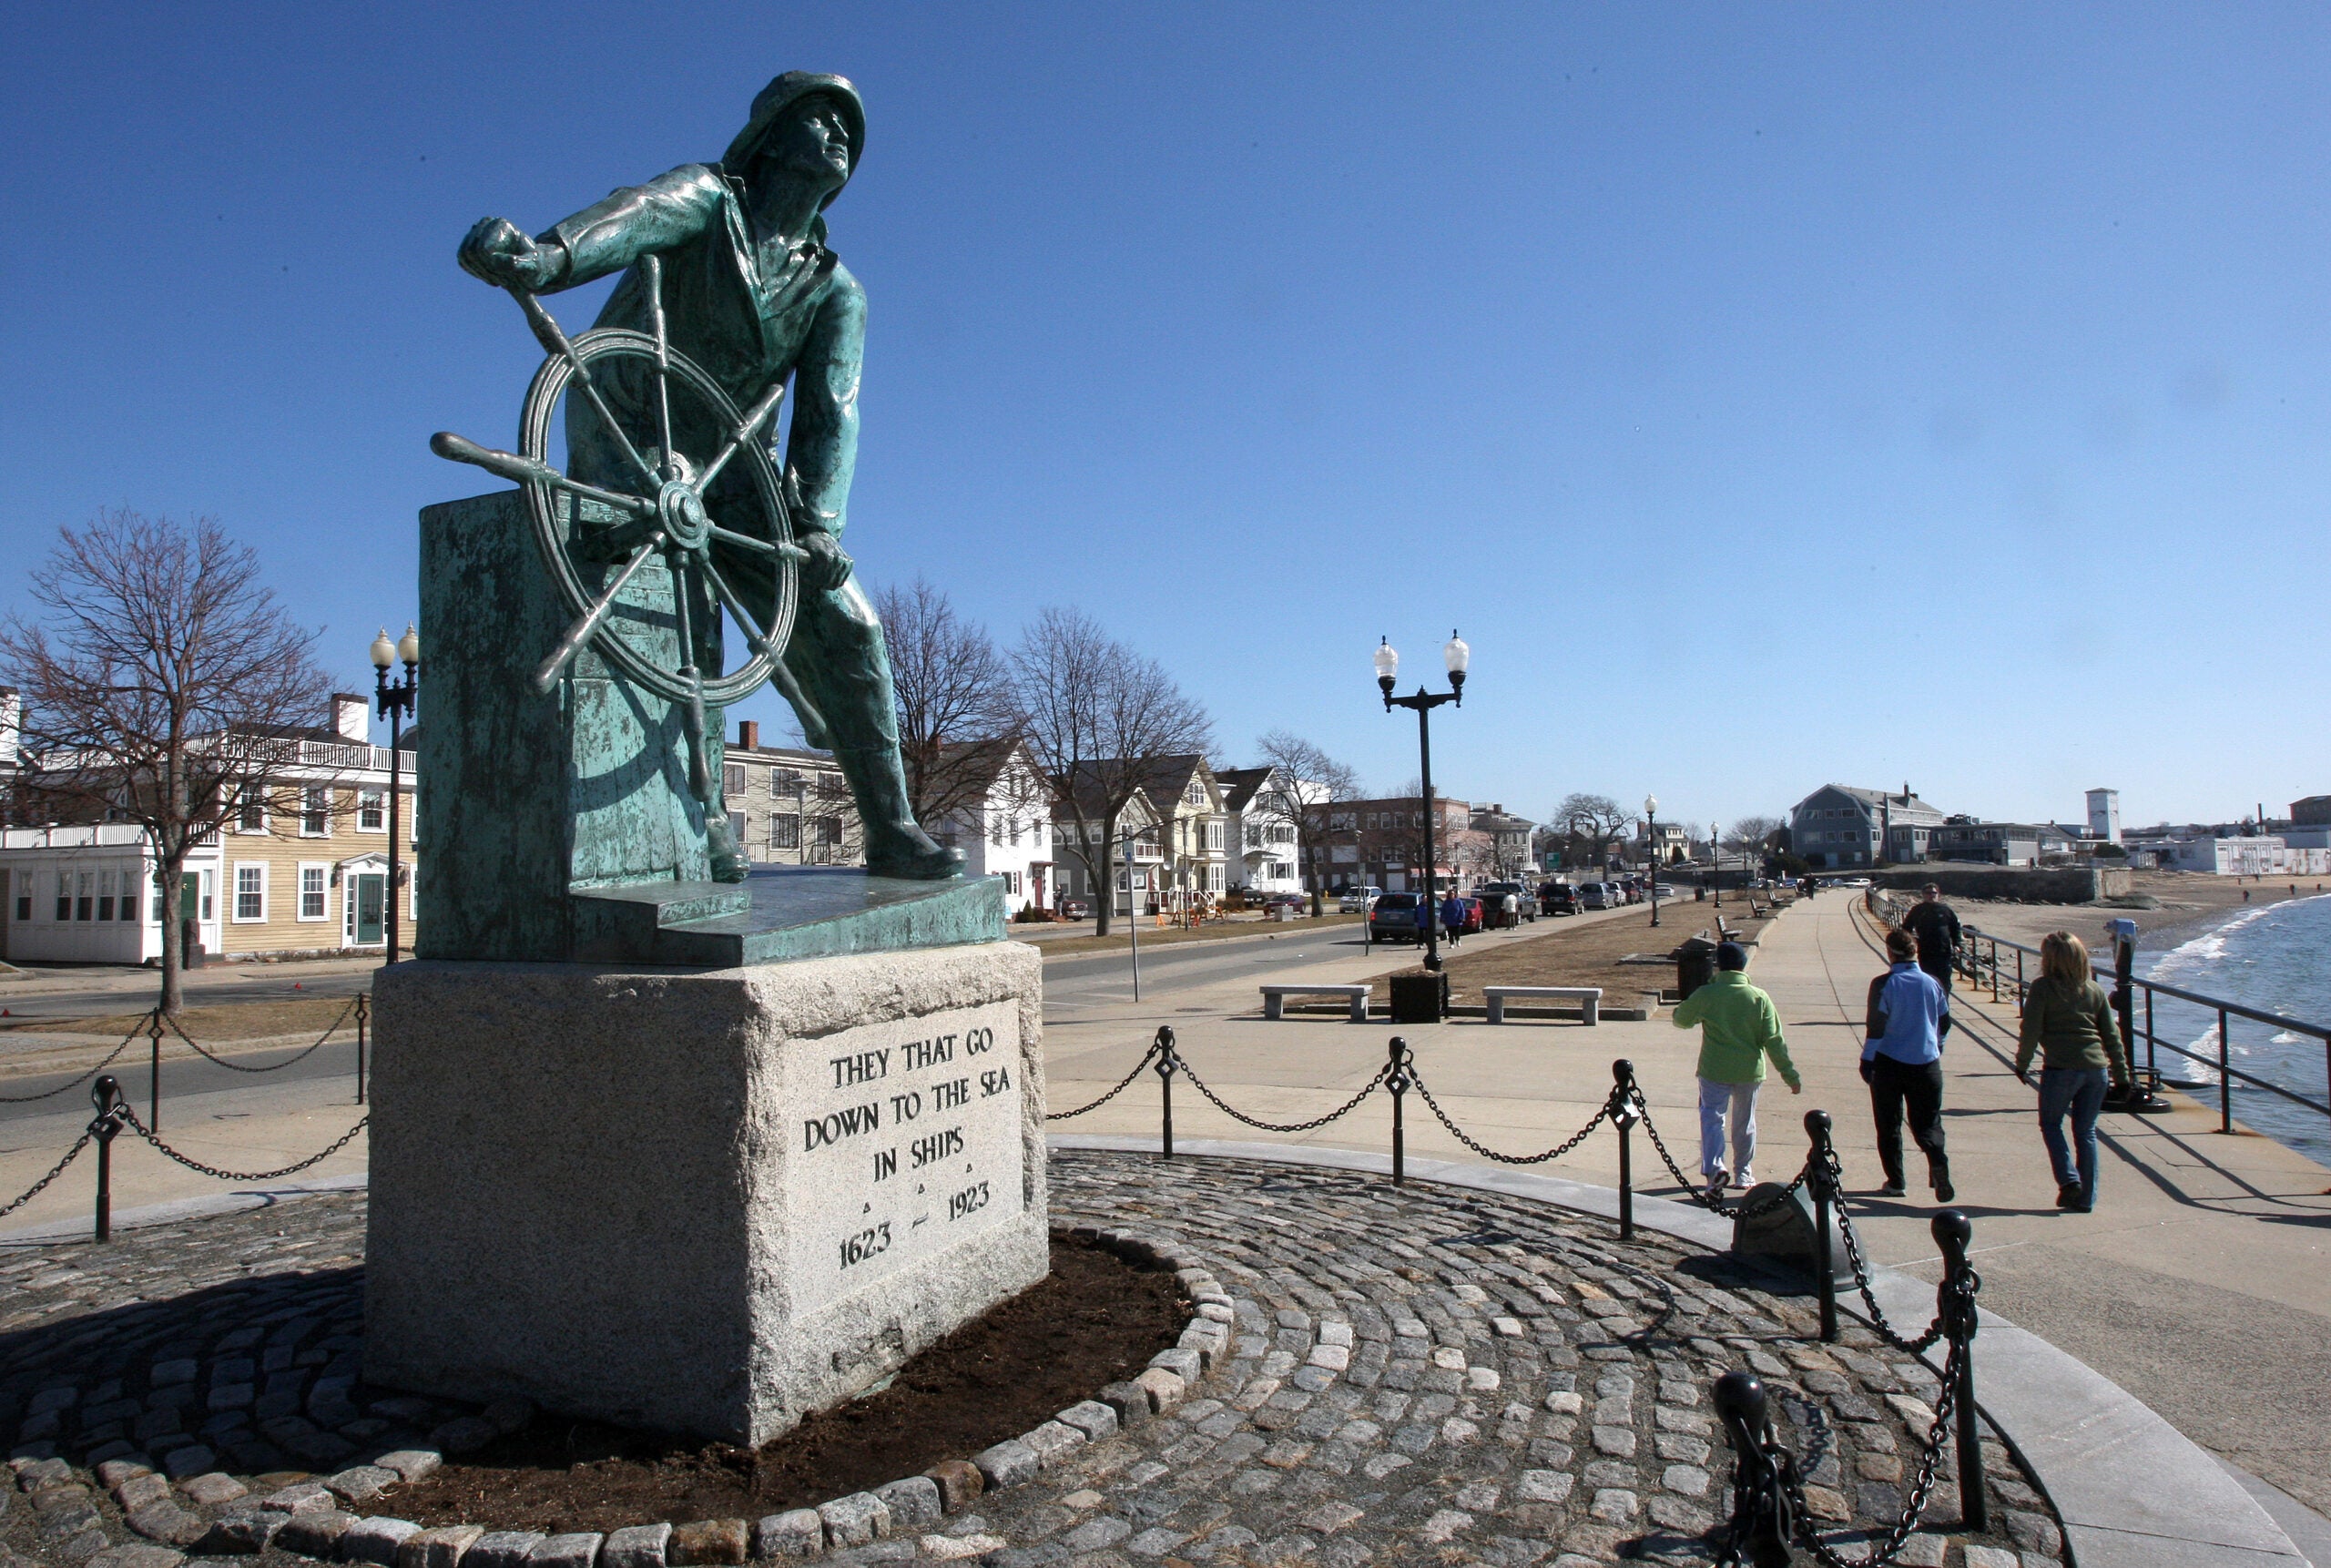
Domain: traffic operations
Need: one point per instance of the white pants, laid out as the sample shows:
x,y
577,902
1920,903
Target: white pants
x,y
1740,1099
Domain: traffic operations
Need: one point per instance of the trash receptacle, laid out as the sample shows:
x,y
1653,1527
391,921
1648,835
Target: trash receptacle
x,y
1420,998
1694,964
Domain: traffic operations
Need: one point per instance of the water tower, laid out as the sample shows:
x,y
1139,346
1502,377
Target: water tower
x,y
2104,815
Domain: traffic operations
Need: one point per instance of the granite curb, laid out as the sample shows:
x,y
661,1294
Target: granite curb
x,y
2132,1491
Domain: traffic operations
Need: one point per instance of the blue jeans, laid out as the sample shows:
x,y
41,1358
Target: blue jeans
x,y
2081,1091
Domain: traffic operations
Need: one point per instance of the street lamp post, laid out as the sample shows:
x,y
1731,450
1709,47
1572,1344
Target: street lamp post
x,y
1457,657
1716,858
395,702
1651,830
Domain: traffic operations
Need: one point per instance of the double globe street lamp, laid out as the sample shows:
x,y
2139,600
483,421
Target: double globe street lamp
x,y
395,702
1457,657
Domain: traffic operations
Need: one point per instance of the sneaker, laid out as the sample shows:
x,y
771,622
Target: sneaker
x,y
1745,1180
1893,1189
1715,1185
2068,1196
1943,1191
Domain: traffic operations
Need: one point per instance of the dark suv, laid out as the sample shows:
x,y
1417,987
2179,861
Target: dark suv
x,y
1394,917
1558,897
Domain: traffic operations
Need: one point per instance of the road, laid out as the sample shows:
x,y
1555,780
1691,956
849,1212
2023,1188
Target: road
x,y
68,994
1077,982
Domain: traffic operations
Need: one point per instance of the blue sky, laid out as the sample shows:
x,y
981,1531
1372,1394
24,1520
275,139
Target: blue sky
x,y
1772,394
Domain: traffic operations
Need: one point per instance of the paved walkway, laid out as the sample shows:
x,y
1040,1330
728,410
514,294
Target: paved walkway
x,y
2198,1284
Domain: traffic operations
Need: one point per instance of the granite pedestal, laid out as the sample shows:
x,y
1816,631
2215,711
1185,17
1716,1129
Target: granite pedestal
x,y
709,1201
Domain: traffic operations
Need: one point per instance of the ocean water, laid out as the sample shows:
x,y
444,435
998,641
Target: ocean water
x,y
2277,958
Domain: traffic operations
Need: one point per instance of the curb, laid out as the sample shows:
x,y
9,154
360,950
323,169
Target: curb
x,y
78,1228
2132,1491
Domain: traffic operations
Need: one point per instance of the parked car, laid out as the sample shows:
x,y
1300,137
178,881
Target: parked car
x,y
1357,900
1394,917
1473,914
1593,896
1558,897
1074,908
1525,906
1287,901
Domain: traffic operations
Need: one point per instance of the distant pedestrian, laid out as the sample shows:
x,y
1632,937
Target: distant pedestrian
x,y
1901,1061
2068,1021
1936,925
1739,1027
1452,918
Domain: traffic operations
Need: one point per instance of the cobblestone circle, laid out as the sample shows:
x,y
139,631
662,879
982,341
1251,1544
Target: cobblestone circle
x,y
1378,1375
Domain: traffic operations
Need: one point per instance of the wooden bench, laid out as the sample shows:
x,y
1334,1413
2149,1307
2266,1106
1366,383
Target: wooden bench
x,y
1275,998
1588,997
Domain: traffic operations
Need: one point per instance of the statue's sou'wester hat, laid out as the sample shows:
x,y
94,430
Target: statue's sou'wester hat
x,y
782,94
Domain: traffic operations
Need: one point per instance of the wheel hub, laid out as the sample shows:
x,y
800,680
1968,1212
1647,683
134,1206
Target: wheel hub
x,y
681,511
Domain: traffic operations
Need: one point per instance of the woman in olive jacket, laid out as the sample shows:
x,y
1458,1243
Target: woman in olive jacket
x,y
2068,1021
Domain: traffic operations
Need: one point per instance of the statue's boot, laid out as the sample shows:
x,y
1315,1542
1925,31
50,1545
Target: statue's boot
x,y
895,845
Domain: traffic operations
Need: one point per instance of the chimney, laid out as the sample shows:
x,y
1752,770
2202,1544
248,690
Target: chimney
x,y
351,717
748,735
1905,791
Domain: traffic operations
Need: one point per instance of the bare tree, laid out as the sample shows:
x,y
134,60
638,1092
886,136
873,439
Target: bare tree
x,y
956,713
1099,718
162,686
1593,818
1305,782
1746,835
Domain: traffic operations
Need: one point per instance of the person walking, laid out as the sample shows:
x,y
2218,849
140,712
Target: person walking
x,y
1739,1027
1936,925
1901,1061
2068,1022
1452,919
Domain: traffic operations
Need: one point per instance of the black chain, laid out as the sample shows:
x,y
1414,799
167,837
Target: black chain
x,y
1694,1193
1122,1083
1886,1330
1929,1467
1345,1109
58,1170
272,1066
1557,1152
139,1127
52,1094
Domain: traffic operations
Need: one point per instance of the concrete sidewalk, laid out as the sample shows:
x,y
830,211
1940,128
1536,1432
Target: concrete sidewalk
x,y
2198,1283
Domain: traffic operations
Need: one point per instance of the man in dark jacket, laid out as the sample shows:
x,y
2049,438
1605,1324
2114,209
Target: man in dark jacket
x,y
1936,925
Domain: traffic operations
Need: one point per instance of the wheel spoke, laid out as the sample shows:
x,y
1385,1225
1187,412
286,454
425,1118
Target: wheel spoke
x,y
700,775
764,546
580,632
743,617
655,268
754,419
521,469
548,333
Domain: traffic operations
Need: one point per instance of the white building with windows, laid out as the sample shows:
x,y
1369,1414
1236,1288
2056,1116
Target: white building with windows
x,y
1262,835
1009,832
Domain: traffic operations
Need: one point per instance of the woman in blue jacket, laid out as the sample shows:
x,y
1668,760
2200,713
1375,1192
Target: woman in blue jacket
x,y
1901,1061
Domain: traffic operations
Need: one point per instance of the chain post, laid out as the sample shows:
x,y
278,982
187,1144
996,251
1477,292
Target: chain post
x,y
1761,1525
1396,1080
1167,1064
1824,1199
363,1013
154,1069
2225,1076
2019,983
1624,1116
1955,1304
103,1095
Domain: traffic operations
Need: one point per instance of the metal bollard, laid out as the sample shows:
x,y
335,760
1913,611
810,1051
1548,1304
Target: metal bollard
x,y
1824,1200
1954,1304
153,1072
105,1093
1761,1525
1399,1081
1166,1067
363,1013
1624,1116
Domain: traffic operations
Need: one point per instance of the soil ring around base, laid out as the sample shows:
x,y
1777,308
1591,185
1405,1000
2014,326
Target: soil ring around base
x,y
1095,1318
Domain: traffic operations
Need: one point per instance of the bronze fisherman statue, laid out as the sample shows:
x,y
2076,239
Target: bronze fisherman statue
x,y
750,293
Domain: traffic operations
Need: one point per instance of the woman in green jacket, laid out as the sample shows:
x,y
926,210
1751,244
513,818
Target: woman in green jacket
x,y
2069,1023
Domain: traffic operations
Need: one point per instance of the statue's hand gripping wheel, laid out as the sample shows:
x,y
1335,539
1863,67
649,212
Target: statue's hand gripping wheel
x,y
595,559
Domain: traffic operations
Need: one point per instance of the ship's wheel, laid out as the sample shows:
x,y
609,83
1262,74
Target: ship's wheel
x,y
595,539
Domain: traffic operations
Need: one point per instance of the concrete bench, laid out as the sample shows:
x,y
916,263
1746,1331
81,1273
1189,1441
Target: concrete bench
x,y
1588,997
1275,998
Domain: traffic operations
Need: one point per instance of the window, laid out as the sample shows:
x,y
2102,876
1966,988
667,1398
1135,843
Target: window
x,y
732,779
104,896
785,831
250,810
25,906
84,894
312,892
161,900
250,892
371,811
63,895
737,828
829,831
1010,882
315,811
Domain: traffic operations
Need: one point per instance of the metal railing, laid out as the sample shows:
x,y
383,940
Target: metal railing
x,y
1981,962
